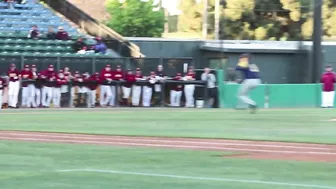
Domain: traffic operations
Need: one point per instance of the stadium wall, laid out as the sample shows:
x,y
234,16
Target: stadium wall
x,y
278,95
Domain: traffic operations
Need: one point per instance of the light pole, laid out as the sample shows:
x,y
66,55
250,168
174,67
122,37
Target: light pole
x,y
205,20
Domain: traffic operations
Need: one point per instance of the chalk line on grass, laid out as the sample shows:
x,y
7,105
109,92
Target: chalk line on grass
x,y
197,178
170,141
163,145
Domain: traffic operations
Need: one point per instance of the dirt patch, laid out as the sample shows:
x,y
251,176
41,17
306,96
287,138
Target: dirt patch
x,y
241,149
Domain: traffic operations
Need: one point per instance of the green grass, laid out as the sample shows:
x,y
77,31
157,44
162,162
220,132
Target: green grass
x,y
297,125
35,166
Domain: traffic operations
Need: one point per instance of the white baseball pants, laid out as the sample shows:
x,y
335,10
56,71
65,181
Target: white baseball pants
x,y
247,86
37,96
105,94
47,95
147,96
126,92
56,97
113,96
175,98
24,96
91,98
328,99
189,96
13,93
136,94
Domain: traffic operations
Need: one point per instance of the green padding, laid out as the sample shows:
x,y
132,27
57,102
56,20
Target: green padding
x,y
280,95
295,95
230,95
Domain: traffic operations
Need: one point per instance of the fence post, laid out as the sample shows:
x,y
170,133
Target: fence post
x,y
93,65
22,62
220,85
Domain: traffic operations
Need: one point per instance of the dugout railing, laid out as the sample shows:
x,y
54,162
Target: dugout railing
x,y
163,100
93,64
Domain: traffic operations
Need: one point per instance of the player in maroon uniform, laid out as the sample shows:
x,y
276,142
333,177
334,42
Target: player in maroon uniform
x,y
60,81
176,92
3,84
26,75
92,84
118,75
13,86
127,86
328,80
137,88
105,89
189,89
49,77
148,90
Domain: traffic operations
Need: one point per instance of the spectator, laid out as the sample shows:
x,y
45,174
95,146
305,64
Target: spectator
x,y
34,33
100,47
78,45
51,34
62,35
211,85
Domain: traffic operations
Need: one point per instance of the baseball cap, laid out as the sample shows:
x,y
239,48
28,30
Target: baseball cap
x,y
26,66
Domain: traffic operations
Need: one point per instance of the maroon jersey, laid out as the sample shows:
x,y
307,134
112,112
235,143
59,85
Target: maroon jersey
x,y
13,75
3,84
177,87
138,76
25,75
67,76
328,79
105,75
93,82
78,81
49,77
60,81
191,75
129,80
118,75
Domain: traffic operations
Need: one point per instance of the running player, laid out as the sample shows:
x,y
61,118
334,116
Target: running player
x,y
251,80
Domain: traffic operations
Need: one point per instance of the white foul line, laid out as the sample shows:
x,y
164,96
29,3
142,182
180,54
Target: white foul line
x,y
165,145
198,178
55,135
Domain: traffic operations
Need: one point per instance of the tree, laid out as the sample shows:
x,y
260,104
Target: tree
x,y
136,18
192,16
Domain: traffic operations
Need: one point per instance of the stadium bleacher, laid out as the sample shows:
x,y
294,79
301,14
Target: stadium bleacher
x,y
15,24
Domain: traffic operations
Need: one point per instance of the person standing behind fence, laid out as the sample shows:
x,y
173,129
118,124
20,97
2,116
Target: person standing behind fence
x,y
60,80
92,84
105,88
160,77
251,80
118,75
137,88
36,88
176,91
189,89
3,84
148,90
211,85
13,86
328,80
49,77
26,74
127,86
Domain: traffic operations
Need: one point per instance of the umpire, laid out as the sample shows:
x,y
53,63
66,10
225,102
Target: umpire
x,y
211,84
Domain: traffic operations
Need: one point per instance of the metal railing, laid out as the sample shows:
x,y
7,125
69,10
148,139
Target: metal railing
x,y
95,64
77,99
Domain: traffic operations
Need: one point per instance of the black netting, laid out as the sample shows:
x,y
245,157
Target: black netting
x,y
41,63
175,65
145,64
82,64
100,63
5,61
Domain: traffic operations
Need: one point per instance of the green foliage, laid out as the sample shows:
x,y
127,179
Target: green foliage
x,y
135,18
260,19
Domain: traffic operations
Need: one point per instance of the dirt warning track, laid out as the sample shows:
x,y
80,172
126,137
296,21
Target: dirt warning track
x,y
242,149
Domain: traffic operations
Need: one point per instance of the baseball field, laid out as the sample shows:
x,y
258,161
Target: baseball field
x,y
168,149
